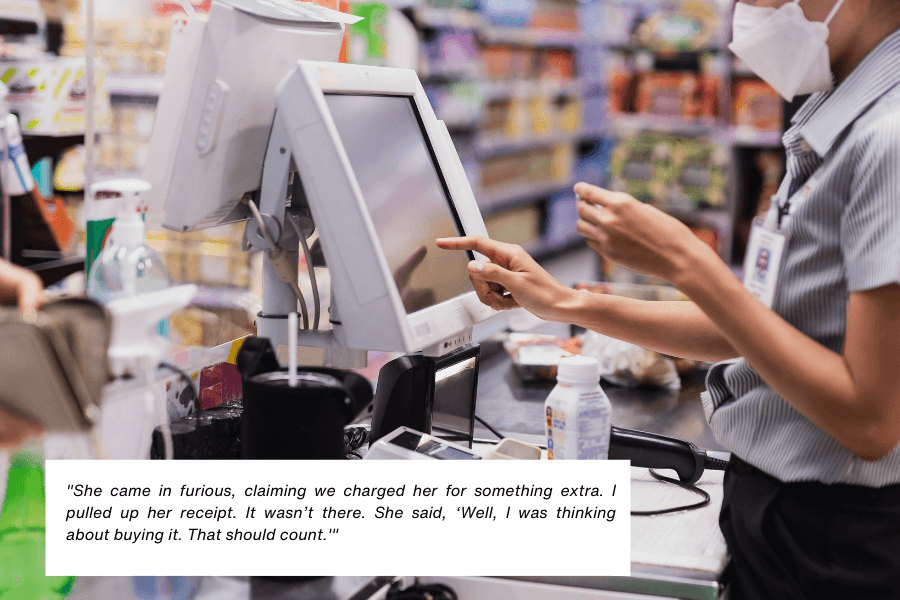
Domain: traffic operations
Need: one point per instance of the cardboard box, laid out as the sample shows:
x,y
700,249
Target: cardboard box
x,y
49,95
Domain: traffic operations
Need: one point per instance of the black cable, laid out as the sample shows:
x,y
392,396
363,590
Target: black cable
x,y
686,486
488,426
714,464
418,591
354,454
354,438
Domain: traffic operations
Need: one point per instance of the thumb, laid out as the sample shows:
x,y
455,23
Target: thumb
x,y
493,274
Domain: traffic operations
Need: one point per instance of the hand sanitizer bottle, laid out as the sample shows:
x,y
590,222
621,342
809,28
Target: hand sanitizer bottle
x,y
126,266
577,412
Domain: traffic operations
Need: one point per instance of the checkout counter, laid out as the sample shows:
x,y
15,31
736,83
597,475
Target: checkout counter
x,y
679,555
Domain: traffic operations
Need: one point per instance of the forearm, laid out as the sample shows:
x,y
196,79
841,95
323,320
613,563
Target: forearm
x,y
675,328
813,379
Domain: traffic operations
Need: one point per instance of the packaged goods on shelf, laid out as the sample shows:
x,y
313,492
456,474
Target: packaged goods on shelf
x,y
127,46
495,116
665,26
756,106
556,63
699,171
537,166
49,95
452,47
505,62
508,13
458,103
670,172
541,116
685,95
520,225
688,96
555,14
211,257
208,326
133,120
567,112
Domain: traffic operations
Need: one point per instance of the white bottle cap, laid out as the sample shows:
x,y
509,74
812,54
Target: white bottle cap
x,y
578,370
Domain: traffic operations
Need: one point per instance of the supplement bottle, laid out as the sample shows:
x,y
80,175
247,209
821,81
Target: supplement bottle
x,y
577,412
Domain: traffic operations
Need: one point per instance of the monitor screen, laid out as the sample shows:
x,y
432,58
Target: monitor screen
x,y
408,200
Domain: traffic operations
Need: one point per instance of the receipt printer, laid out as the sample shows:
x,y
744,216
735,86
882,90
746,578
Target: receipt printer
x,y
429,395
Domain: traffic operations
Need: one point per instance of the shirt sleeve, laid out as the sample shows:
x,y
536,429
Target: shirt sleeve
x,y
870,226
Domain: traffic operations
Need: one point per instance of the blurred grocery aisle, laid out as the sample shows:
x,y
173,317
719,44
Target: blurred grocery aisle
x,y
635,95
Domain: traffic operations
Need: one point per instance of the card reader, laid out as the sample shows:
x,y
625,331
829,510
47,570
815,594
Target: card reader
x,y
408,444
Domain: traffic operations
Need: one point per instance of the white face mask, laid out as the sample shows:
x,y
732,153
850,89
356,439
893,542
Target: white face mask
x,y
784,48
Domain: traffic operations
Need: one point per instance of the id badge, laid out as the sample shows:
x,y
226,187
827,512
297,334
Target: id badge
x,y
763,262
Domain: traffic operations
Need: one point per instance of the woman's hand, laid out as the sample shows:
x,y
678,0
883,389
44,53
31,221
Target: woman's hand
x,y
20,285
15,430
511,270
637,235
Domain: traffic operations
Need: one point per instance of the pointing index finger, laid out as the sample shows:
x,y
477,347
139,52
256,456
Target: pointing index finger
x,y
495,251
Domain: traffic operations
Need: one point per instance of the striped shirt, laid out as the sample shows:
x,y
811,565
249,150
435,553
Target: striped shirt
x,y
843,182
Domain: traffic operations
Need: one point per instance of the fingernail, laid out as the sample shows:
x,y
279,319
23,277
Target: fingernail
x,y
476,266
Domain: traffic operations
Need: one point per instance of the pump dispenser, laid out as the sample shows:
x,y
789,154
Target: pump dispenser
x,y
126,266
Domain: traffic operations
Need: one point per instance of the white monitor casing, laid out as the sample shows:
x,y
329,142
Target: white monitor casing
x,y
215,112
372,313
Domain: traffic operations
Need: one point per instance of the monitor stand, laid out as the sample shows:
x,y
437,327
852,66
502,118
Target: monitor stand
x,y
278,297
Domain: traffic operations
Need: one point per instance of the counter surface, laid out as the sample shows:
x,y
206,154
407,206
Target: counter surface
x,y
515,407
512,405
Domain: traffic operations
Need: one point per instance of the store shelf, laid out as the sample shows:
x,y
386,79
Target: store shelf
x,y
525,36
139,86
633,123
461,70
462,124
458,18
635,48
528,88
490,145
506,199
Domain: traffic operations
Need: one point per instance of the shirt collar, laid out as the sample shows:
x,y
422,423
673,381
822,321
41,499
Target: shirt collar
x,y
826,115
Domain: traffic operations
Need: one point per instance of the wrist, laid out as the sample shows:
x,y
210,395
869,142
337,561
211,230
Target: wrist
x,y
696,268
568,305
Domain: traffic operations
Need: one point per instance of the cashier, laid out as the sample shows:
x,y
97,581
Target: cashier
x,y
24,288
806,389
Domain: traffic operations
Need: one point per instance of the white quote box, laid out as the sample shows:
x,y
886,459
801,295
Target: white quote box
x,y
460,534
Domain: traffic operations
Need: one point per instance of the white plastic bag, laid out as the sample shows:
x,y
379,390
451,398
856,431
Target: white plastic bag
x,y
628,365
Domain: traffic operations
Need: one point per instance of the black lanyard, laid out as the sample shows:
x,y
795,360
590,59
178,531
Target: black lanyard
x,y
783,211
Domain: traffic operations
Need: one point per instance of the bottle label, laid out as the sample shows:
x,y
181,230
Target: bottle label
x,y
16,173
593,425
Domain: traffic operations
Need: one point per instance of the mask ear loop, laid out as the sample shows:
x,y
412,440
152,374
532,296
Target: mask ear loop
x,y
833,12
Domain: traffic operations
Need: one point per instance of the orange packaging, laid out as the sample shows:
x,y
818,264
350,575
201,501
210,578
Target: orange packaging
x,y
757,105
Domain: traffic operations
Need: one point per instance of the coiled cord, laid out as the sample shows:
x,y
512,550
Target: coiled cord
x,y
418,591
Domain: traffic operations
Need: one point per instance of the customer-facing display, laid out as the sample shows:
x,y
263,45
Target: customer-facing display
x,y
406,195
